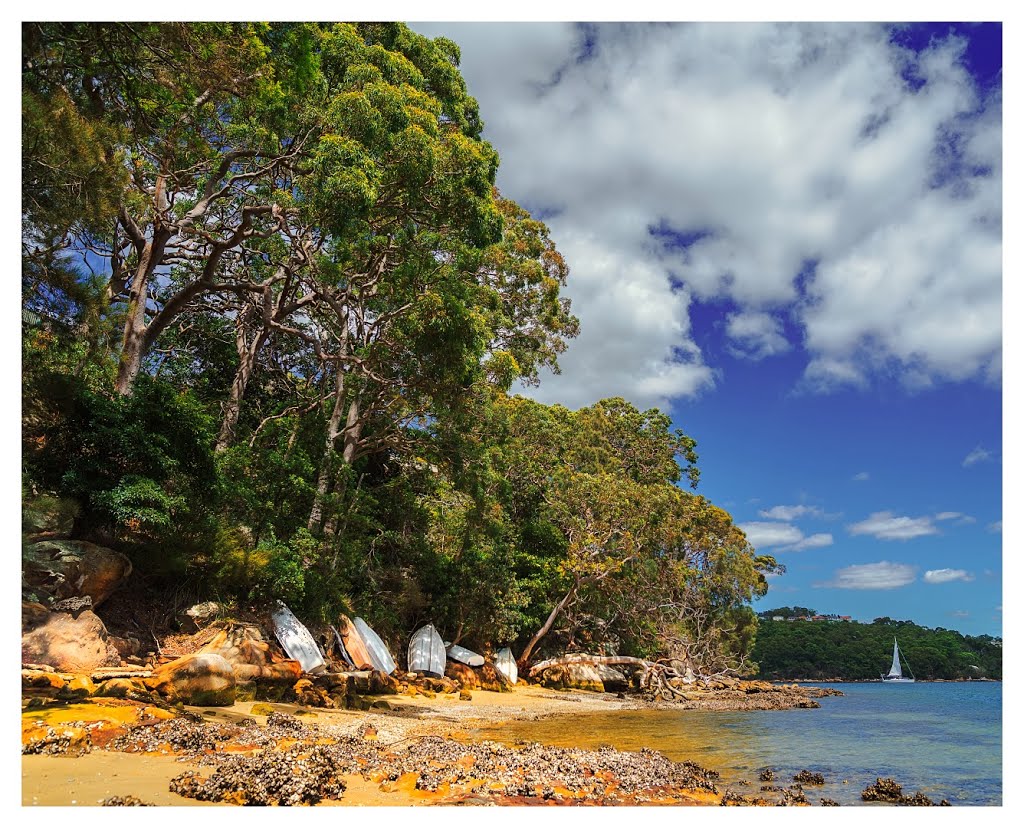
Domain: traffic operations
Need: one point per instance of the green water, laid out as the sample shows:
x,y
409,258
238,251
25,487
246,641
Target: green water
x,y
943,739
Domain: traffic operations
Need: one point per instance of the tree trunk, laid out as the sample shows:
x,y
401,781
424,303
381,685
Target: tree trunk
x,y
134,337
323,483
561,605
247,355
353,431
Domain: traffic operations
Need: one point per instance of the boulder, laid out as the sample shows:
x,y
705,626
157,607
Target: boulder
x,y
33,614
48,517
70,644
203,679
59,569
198,616
573,677
251,657
477,678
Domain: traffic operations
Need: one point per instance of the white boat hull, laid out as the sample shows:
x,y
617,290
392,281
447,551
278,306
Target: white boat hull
x,y
426,652
380,655
296,640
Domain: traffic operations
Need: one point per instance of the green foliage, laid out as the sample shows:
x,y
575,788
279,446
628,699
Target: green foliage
x,y
817,650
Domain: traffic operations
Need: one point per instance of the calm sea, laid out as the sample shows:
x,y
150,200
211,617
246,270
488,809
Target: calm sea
x,y
943,739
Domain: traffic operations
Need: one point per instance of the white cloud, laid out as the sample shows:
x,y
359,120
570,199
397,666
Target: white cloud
x,y
755,335
881,575
861,477
815,541
977,455
959,517
762,534
960,614
887,526
945,576
755,149
995,527
791,512
783,536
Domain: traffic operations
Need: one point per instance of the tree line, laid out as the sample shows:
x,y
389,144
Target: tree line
x,y
816,650
274,308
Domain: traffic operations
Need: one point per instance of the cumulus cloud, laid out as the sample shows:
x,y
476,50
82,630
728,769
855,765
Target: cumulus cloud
x,y
977,455
783,536
881,575
791,512
815,541
887,526
755,335
945,576
781,172
860,477
765,534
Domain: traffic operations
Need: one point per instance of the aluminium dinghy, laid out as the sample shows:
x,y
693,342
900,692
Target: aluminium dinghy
x,y
464,656
505,664
296,640
426,652
380,656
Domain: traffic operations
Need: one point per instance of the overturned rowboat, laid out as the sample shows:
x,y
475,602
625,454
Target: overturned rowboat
x,y
355,648
380,655
426,652
505,664
296,640
464,656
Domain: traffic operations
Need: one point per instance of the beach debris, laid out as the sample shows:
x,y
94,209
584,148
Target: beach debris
x,y
124,800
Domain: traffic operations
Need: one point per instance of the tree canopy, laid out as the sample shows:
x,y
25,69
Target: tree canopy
x,y
275,309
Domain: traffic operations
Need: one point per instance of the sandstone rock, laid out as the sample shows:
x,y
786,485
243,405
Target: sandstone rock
x,y
62,569
48,517
261,709
119,688
198,616
477,678
70,644
200,679
465,695
33,614
78,687
252,658
573,677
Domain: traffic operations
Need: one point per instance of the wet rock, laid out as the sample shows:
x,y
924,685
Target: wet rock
x,y
119,688
201,679
829,802
767,775
77,687
59,741
806,777
70,644
61,569
261,709
886,789
312,695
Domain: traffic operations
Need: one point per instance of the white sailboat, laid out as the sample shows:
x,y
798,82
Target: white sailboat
x,y
895,674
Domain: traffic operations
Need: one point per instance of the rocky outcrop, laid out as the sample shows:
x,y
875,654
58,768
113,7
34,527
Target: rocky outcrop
x,y
198,616
573,677
48,517
69,644
56,569
251,657
199,679
477,678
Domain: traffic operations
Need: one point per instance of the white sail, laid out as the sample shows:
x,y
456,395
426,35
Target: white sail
x,y
895,671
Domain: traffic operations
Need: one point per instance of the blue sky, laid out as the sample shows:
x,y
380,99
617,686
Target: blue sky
x,y
790,237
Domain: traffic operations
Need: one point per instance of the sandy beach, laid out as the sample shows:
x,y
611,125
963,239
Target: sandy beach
x,y
101,773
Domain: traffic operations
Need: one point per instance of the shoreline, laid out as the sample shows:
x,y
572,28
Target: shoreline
x,y
415,734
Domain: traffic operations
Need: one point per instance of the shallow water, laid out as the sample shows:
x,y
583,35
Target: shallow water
x,y
944,739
